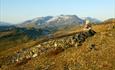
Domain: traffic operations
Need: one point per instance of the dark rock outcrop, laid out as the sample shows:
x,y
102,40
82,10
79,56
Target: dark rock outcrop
x,y
80,37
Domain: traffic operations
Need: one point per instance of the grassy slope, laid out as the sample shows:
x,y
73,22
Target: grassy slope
x,y
7,45
81,58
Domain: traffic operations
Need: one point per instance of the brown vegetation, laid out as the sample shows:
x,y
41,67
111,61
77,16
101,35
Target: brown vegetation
x,y
96,53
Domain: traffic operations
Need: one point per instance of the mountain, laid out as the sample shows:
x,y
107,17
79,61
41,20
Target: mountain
x,y
109,20
5,26
92,20
50,21
5,23
35,22
64,20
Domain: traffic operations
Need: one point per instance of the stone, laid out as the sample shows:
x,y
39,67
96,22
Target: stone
x,y
34,55
92,46
38,46
55,45
80,37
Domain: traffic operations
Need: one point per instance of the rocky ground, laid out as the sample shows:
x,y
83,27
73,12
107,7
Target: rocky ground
x,y
92,50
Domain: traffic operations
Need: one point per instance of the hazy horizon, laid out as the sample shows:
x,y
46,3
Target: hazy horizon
x,y
16,11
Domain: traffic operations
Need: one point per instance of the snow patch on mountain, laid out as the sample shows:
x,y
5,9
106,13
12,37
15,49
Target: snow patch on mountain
x,y
64,20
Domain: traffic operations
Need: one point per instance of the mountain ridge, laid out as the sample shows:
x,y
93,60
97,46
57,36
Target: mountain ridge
x,y
5,23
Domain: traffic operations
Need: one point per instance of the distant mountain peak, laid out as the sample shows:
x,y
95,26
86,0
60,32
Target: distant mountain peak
x,y
5,23
52,21
64,18
92,20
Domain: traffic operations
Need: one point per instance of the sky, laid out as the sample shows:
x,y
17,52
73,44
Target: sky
x,y
17,11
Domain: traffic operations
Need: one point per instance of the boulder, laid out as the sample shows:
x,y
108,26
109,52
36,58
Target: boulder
x,y
81,36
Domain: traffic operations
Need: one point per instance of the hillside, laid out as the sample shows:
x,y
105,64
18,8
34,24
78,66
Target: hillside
x,y
61,52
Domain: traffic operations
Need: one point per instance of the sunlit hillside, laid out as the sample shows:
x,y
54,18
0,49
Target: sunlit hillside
x,y
62,52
